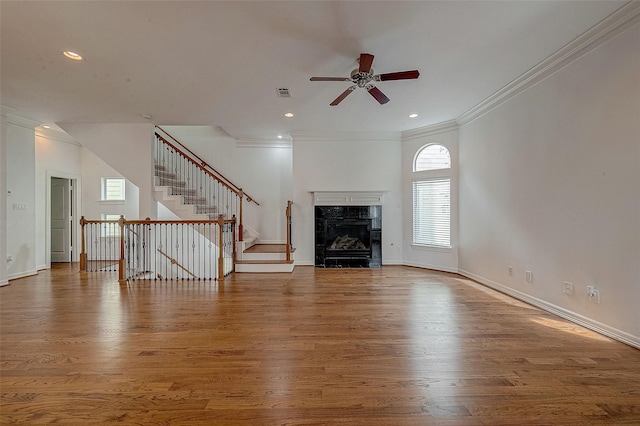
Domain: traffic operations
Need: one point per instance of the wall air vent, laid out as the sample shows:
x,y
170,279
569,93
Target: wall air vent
x,y
283,92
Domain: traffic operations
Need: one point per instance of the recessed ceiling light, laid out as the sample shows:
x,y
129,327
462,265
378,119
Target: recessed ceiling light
x,y
45,126
413,115
147,116
288,114
279,136
72,55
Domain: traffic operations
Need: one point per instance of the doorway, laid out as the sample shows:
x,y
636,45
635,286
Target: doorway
x,y
61,241
62,221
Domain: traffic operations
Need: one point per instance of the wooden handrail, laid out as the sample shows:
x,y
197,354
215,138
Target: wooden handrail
x,y
122,222
176,222
203,165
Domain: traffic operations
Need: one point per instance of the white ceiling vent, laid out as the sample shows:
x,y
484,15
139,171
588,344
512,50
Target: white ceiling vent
x,y
283,92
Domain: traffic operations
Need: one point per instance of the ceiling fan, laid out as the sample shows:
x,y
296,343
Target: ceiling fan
x,y
363,76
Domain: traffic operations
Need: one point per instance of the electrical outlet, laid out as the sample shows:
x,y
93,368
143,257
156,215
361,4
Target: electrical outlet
x,y
510,271
593,293
528,275
568,287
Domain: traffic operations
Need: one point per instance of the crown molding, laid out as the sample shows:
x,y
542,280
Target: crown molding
x,y
56,135
348,136
623,18
433,129
5,110
17,120
264,143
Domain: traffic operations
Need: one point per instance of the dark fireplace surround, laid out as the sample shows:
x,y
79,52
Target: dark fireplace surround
x,y
348,236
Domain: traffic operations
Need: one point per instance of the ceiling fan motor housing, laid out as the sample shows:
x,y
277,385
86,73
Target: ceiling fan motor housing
x,y
361,78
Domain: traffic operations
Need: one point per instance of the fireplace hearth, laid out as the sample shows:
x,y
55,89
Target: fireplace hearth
x,y
348,236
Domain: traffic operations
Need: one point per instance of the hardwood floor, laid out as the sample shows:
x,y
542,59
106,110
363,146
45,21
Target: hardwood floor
x,y
388,346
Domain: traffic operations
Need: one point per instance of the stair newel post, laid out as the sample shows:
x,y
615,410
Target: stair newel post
x,y
233,234
83,253
121,272
220,248
240,227
288,216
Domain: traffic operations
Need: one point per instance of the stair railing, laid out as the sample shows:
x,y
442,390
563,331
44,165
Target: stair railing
x,y
161,250
289,244
200,184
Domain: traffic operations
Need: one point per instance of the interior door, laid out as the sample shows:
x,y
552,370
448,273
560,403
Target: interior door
x,y
60,220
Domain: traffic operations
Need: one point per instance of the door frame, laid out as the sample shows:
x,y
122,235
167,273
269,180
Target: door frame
x,y
75,210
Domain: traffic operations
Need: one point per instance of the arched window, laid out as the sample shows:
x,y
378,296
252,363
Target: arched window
x,y
432,157
432,196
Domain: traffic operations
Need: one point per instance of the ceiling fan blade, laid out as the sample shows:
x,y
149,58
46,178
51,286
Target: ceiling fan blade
x,y
366,60
343,95
402,75
329,79
376,93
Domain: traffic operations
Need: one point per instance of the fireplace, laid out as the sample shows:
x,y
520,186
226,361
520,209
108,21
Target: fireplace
x,y
348,236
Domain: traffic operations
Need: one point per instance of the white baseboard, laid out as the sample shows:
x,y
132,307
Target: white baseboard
x,y
4,282
433,267
22,275
574,317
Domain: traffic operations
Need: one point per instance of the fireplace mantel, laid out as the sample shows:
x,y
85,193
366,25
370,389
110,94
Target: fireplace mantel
x,y
347,198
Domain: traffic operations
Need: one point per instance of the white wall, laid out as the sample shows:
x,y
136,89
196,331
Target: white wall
x,y
128,149
445,134
93,169
347,165
56,155
263,172
21,198
550,182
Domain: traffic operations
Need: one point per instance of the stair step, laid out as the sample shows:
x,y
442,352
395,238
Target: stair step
x,y
264,266
171,182
206,209
166,175
189,199
182,191
268,248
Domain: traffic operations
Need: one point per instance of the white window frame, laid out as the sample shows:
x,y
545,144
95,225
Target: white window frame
x,y
120,195
438,238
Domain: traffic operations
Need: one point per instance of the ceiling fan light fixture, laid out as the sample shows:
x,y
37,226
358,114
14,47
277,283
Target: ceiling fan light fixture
x,y
72,55
362,77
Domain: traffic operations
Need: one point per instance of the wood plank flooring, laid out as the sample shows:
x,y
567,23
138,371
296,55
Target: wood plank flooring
x,y
388,346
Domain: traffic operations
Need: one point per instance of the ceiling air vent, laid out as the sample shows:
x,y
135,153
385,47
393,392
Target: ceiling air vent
x,y
283,92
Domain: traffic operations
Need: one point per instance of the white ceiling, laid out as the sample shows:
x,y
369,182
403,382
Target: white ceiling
x,y
219,62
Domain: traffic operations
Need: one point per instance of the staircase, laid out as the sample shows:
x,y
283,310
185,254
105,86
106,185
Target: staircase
x,y
192,193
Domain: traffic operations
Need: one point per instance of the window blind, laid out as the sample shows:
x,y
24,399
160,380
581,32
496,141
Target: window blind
x,y
432,212
113,189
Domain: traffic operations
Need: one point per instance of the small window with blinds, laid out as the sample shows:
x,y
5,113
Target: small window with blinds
x,y
432,157
113,189
432,212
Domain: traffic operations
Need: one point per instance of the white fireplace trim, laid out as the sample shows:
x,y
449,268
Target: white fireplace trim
x,y
348,198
